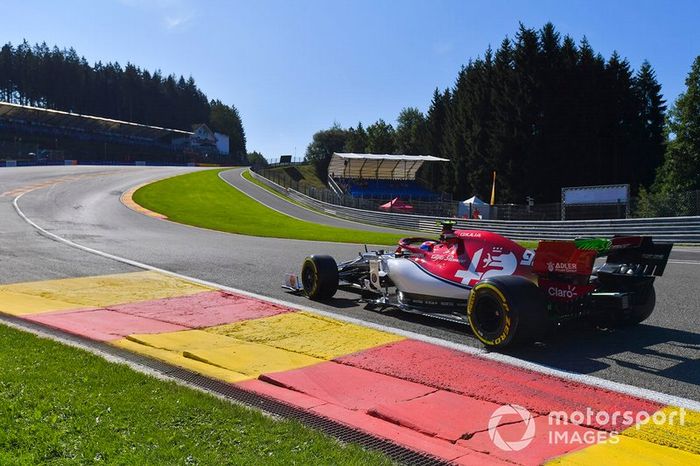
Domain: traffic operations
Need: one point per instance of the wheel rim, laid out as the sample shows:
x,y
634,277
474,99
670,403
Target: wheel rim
x,y
308,278
488,314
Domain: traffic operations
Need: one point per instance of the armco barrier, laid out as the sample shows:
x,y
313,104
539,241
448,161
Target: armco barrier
x,y
664,229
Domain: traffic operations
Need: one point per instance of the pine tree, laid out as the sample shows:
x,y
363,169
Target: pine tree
x,y
544,113
226,120
381,138
681,168
650,141
432,173
356,141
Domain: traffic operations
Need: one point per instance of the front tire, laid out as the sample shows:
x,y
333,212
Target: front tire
x,y
507,310
319,277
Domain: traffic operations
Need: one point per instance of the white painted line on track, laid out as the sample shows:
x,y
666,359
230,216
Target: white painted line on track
x,y
227,232
359,224
498,357
685,262
259,201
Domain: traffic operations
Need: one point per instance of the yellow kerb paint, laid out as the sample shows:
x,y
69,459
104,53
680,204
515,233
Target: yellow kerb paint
x,y
216,352
308,334
98,291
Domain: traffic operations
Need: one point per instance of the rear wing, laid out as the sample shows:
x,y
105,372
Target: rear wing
x,y
576,257
640,251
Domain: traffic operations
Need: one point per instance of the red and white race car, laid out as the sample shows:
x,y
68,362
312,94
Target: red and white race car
x,y
505,292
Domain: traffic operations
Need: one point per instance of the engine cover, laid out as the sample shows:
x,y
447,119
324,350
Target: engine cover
x,y
410,277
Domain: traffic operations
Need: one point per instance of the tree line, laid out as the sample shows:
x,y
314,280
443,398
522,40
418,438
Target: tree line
x,y
542,110
60,79
679,174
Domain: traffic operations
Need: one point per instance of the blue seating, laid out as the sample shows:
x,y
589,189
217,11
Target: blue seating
x,y
385,189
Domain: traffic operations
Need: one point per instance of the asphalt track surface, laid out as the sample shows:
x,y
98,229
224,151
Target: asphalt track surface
x,y
234,178
662,354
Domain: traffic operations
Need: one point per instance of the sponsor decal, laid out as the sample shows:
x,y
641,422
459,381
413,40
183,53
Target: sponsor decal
x,y
562,267
558,291
493,263
626,242
444,258
568,293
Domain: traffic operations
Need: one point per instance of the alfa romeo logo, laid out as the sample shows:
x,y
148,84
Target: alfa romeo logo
x,y
513,445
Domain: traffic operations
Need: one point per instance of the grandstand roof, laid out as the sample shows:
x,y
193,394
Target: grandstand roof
x,y
378,166
85,122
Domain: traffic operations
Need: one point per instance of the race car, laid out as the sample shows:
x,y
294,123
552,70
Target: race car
x,y
505,292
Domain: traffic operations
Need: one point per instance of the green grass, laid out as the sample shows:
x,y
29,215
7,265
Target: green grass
x,y
61,405
530,244
203,199
303,174
246,174
527,243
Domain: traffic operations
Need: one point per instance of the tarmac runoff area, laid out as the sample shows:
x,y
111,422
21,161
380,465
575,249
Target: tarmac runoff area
x,y
426,397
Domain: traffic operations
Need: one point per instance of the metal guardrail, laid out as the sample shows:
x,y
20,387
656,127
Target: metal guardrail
x,y
663,229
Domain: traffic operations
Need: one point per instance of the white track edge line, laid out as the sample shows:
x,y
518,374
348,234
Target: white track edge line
x,y
256,200
332,217
283,213
683,262
498,357
211,230
398,232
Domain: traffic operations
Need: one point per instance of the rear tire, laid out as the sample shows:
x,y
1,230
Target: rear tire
x,y
507,310
319,277
641,312
637,313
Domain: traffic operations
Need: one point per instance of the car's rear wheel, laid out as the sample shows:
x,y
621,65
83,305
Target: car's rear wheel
x,y
637,313
319,277
642,311
507,310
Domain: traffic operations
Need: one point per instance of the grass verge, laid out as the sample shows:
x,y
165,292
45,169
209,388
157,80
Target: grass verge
x,y
205,200
246,174
530,244
304,174
62,405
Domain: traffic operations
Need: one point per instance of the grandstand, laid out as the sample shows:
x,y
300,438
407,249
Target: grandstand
x,y
27,131
380,177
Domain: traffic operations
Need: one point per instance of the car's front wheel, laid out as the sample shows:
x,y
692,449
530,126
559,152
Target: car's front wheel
x,y
319,277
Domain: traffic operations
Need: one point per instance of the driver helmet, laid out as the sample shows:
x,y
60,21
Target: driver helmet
x,y
427,245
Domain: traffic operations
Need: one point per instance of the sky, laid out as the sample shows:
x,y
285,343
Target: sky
x,y
295,67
